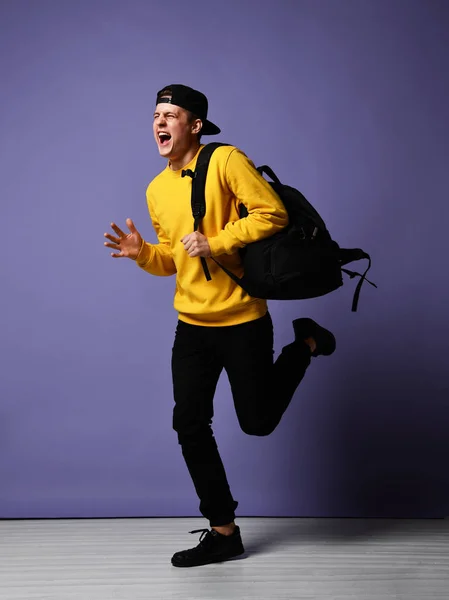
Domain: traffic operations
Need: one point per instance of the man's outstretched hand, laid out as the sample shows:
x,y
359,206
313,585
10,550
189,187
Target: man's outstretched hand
x,y
196,244
128,244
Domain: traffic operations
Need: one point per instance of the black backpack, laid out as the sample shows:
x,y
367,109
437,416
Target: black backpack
x,y
301,261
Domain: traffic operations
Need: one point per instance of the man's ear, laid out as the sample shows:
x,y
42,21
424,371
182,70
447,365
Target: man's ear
x,y
197,126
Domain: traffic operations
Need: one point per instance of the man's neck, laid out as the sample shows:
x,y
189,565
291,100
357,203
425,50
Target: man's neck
x,y
179,163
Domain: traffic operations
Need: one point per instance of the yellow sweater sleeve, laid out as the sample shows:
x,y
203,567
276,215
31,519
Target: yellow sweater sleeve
x,y
266,212
156,259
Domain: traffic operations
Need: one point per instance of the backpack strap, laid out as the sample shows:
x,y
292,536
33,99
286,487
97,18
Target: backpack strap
x,y
198,197
269,171
349,255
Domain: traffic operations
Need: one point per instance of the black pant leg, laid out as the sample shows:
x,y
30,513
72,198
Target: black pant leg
x,y
262,390
196,368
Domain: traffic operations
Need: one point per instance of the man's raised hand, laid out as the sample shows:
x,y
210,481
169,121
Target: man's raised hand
x,y
128,244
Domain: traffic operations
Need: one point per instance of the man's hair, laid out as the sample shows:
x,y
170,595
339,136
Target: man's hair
x,y
167,93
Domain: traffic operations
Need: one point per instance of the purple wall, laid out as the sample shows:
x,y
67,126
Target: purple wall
x,y
346,100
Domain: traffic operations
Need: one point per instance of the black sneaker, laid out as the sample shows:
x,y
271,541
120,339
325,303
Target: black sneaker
x,y
325,340
213,547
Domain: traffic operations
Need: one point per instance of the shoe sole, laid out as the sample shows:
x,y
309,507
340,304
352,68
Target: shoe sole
x,y
239,556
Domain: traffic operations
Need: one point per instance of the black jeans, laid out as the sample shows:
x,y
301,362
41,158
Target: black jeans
x,y
262,390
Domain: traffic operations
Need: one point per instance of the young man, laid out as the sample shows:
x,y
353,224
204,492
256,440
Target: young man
x,y
220,326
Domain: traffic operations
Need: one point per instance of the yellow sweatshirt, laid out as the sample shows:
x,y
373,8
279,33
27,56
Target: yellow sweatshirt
x,y
231,180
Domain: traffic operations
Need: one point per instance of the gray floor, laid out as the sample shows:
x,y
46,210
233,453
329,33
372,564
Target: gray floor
x,y
129,559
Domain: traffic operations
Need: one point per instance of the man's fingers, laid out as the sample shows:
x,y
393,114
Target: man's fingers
x,y
112,238
131,226
117,230
113,246
196,244
199,250
195,250
188,244
192,239
191,236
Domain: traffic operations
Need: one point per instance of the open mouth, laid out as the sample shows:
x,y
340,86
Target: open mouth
x,y
164,138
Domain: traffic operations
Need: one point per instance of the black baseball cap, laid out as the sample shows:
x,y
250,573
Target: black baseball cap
x,y
189,99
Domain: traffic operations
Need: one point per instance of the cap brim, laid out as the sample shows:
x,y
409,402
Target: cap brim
x,y
209,128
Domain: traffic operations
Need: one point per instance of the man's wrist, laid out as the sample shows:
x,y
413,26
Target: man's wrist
x,y
143,254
